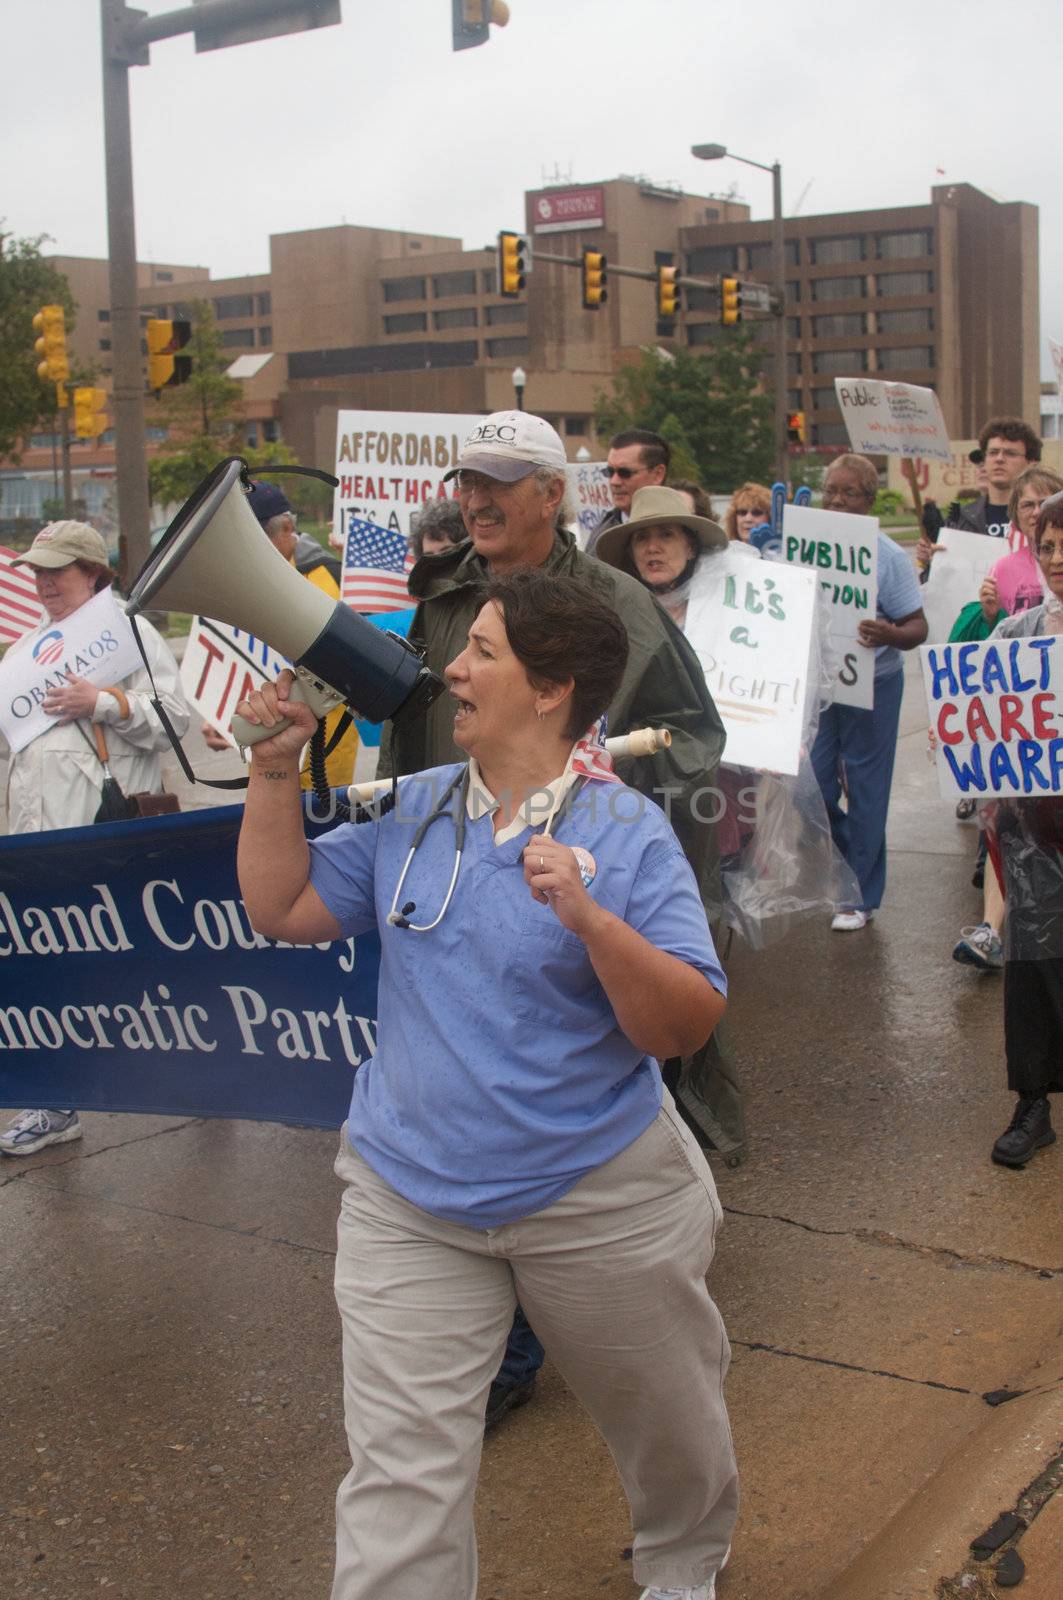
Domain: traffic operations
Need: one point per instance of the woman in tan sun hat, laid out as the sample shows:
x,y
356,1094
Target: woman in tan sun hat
x,y
661,545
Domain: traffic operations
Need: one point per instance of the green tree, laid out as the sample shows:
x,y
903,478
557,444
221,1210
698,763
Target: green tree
x,y
27,282
712,406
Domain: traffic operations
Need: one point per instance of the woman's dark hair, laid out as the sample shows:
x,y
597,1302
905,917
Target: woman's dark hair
x,y
698,496
560,628
103,576
438,519
1049,516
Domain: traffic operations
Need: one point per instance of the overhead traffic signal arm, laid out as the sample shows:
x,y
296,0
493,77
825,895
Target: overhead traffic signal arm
x,y
593,272
512,264
165,338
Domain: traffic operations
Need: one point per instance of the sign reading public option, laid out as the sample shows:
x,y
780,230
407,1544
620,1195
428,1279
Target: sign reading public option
x,y
843,550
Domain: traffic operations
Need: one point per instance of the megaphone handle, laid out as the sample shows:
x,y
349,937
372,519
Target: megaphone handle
x,y
319,698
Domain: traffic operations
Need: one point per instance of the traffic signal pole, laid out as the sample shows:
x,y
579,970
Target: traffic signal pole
x,y
782,454
64,456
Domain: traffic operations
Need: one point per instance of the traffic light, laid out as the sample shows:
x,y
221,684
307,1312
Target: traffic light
x,y
795,427
471,20
593,273
667,293
165,367
90,418
512,264
50,323
730,301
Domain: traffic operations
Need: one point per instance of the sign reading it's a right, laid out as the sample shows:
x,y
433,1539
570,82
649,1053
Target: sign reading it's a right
x,y
995,712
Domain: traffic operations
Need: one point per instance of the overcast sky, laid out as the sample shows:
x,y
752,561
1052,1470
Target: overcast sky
x,y
378,122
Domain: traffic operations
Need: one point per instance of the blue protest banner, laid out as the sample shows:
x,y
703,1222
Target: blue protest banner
x,y
131,980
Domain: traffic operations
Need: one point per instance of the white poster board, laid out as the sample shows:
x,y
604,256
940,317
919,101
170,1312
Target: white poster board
x,y
892,419
95,642
220,666
996,711
842,550
751,625
591,497
956,575
390,463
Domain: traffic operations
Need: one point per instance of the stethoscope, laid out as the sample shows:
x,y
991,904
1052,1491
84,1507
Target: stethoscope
x,y
460,785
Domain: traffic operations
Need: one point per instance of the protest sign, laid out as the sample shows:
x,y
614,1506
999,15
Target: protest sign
x,y
391,462
956,575
20,610
843,551
892,419
591,497
751,625
995,714
221,665
134,982
95,642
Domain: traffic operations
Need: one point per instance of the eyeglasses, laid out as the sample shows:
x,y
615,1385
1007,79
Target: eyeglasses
x,y
1048,549
1031,505
849,497
623,472
1006,455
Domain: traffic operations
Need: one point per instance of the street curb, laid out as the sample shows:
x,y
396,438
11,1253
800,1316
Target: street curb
x,y
929,1537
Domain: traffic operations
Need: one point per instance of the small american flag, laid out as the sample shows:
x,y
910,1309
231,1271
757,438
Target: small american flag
x,y
375,564
590,758
20,610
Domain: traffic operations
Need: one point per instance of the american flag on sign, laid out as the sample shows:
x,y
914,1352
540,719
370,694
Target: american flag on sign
x,y
375,564
590,758
20,610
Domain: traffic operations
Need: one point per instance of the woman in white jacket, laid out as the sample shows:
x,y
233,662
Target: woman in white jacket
x,y
56,781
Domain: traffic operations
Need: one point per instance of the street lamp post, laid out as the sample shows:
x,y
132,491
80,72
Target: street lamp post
x,y
717,152
520,378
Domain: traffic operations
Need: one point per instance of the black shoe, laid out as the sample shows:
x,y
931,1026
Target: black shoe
x,y
978,876
506,1397
1028,1130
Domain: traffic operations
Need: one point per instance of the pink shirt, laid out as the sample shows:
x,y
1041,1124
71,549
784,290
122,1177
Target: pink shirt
x,y
1018,580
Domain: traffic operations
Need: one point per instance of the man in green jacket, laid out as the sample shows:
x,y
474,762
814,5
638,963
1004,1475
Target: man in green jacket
x,y
511,487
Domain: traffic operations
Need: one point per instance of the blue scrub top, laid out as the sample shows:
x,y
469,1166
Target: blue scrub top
x,y
898,596
501,1077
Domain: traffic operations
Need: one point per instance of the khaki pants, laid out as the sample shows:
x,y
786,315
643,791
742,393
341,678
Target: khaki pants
x,y
612,1278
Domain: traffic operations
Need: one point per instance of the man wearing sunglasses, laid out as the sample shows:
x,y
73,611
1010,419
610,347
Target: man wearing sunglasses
x,y
636,458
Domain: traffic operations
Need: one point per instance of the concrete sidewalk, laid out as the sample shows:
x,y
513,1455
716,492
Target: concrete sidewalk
x,y
172,1417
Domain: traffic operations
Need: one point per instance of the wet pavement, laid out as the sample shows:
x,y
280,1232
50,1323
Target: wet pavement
x,y
172,1421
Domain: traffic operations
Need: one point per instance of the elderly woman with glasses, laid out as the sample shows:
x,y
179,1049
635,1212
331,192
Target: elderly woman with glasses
x,y
854,748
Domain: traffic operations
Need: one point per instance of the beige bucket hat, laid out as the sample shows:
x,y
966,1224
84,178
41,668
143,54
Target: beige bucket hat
x,y
657,503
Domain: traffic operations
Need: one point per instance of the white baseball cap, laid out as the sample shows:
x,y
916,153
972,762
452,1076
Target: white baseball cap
x,y
509,445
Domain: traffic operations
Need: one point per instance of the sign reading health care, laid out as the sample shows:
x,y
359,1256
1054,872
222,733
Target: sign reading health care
x,y
131,980
751,625
390,463
94,642
893,419
995,712
843,550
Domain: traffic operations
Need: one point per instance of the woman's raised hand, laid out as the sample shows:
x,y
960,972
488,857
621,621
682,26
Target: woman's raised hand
x,y
552,872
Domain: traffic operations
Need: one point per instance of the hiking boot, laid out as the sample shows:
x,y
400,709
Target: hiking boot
x,y
1029,1129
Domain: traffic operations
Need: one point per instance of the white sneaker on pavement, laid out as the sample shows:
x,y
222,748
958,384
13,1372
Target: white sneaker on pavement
x,y
704,1591
32,1130
850,921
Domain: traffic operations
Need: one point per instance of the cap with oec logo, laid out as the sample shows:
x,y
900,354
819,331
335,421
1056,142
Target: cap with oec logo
x,y
509,445
60,543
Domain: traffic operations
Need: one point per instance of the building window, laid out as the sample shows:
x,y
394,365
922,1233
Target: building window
x,y
105,344
761,259
793,400
233,338
103,316
265,304
793,328
701,300
164,277
793,291
713,258
489,280
841,326
903,359
404,289
834,433
251,433
894,283
415,356
447,284
507,347
512,311
832,252
918,319
265,335
838,288
576,427
839,361
271,431
703,332
793,363
234,305
898,246
407,322
463,317
156,435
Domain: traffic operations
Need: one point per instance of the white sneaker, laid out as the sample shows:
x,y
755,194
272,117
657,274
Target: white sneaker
x,y
704,1591
849,921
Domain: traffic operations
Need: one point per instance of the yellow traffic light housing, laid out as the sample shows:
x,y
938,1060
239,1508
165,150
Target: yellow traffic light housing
x,y
50,324
730,301
795,427
667,293
90,416
165,338
512,264
593,273
471,20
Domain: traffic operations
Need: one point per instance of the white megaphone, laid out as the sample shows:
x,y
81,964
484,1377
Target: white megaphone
x,y
215,559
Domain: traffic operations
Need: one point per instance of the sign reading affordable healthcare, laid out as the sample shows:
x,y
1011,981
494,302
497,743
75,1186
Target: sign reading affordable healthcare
x,y
893,419
751,625
94,642
133,981
591,496
843,550
390,463
996,711
220,666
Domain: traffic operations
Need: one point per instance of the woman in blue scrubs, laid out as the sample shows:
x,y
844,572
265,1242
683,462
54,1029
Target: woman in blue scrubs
x,y
544,946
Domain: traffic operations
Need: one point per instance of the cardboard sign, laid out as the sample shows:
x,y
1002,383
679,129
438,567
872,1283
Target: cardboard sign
x,y
751,625
94,642
996,709
892,419
843,550
591,497
956,575
390,463
220,666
